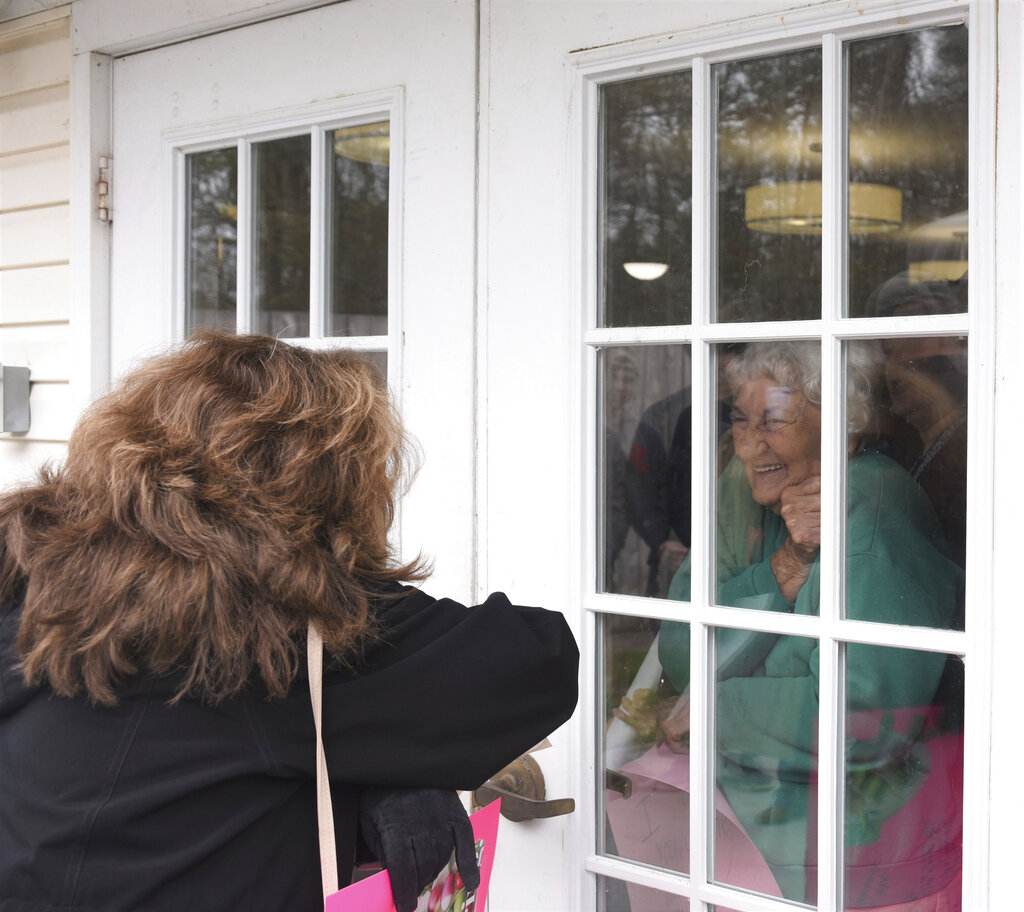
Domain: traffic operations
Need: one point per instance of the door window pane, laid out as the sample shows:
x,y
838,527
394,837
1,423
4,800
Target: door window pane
x,y
770,394
358,224
646,798
904,778
907,144
211,238
646,201
645,441
766,759
380,361
281,195
618,896
768,220
906,402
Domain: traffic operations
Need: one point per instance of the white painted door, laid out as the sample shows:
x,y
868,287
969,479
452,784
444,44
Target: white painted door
x,y
194,120
289,102
619,268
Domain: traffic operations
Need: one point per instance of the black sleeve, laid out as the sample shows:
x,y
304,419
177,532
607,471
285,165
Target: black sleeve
x,y
447,697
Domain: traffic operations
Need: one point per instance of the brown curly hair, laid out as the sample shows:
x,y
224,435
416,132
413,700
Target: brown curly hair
x,y
219,499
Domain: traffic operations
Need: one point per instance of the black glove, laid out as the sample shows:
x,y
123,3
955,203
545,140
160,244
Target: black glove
x,y
412,832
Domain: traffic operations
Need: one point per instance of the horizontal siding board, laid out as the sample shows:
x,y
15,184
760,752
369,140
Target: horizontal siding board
x,y
35,178
30,121
35,236
52,416
35,295
21,20
40,58
44,349
35,227
20,459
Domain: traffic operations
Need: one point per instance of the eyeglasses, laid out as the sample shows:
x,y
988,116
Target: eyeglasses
x,y
769,424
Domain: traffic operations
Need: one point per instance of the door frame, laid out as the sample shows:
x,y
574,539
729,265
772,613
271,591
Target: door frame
x,y
107,28
592,68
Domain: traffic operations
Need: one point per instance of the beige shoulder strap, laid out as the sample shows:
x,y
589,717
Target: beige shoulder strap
x,y
324,809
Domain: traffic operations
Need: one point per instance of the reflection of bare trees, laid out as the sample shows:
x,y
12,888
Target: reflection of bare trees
x,y
212,237
769,126
647,198
907,128
357,233
281,245
359,247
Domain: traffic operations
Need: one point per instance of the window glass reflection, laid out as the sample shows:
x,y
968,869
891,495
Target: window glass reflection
x,y
906,480
646,796
770,395
765,754
768,218
646,420
281,195
358,224
619,896
211,238
904,778
907,144
646,200
380,361
766,760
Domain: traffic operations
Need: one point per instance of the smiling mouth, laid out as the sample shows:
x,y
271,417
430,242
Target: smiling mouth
x,y
760,470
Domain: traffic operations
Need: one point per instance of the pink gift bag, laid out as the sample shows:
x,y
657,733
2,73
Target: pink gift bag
x,y
447,893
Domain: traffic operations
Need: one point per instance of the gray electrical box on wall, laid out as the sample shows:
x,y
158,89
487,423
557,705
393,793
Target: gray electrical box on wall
x,y
14,382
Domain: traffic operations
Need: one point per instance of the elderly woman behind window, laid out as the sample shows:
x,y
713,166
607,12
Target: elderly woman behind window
x,y
766,694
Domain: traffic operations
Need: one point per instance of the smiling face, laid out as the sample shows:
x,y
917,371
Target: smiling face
x,y
777,434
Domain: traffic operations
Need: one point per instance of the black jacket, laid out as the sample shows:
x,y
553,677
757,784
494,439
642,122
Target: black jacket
x,y
192,807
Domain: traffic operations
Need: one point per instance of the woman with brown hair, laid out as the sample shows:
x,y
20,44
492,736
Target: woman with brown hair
x,y
157,748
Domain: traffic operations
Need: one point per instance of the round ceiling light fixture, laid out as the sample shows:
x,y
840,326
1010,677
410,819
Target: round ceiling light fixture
x,y
646,272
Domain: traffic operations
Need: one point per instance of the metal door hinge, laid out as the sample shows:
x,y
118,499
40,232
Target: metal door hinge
x,y
103,190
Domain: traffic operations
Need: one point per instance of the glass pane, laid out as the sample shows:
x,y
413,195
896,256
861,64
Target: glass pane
x,y
646,794
646,202
618,896
766,760
906,402
380,361
281,195
908,163
770,392
768,152
211,238
358,224
645,446
904,778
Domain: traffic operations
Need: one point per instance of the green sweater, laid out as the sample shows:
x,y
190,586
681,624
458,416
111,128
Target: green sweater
x,y
767,685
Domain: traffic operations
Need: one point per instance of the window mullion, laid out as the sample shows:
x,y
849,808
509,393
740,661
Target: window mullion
x,y
318,234
181,206
244,265
833,452
701,693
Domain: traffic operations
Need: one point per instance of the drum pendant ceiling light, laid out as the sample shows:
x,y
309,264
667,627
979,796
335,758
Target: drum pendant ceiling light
x,y
367,143
794,207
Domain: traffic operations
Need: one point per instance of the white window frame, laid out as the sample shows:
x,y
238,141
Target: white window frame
x,y
699,51
314,120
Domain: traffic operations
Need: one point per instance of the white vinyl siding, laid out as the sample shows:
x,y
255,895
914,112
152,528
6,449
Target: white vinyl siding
x,y
35,230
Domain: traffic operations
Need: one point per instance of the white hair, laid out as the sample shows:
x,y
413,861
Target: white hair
x,y
797,365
